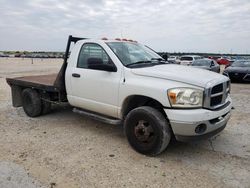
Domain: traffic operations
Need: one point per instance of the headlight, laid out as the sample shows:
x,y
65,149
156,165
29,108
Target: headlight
x,y
185,97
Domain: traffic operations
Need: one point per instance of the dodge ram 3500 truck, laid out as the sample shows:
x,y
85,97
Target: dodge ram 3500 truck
x,y
124,82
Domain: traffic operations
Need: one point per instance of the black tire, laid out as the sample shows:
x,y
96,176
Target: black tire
x,y
32,104
46,106
147,130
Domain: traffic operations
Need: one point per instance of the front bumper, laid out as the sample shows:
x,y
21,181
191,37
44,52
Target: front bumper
x,y
185,121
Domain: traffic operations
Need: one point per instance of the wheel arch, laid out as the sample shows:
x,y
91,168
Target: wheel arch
x,y
133,101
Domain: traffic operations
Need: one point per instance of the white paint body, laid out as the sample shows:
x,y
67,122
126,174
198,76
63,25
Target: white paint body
x,y
105,92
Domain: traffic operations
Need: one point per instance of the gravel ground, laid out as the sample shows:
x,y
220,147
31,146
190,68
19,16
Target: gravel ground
x,y
63,149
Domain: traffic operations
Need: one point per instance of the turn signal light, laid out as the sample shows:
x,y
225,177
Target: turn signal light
x,y
172,97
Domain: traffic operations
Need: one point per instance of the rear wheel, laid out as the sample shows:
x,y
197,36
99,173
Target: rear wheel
x,y
147,130
32,104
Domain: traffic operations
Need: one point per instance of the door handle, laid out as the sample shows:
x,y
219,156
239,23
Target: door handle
x,y
76,75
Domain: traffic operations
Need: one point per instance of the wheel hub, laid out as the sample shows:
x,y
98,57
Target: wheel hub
x,y
143,131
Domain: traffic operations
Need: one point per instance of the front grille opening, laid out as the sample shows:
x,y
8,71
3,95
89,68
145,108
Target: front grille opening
x,y
217,89
216,120
224,115
216,100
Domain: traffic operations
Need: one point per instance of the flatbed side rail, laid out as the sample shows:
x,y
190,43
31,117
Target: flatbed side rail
x,y
60,80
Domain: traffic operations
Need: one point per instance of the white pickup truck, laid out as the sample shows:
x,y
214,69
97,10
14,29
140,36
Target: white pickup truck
x,y
124,82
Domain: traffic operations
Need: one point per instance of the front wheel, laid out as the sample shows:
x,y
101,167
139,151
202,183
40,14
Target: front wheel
x,y
147,130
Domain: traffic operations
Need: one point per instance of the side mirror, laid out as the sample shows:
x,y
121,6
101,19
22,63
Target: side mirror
x,y
97,64
104,67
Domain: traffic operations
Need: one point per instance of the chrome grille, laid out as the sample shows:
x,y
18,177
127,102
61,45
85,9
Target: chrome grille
x,y
216,89
216,95
216,100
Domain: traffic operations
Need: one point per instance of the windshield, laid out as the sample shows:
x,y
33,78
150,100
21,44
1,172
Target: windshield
x,y
134,53
202,63
241,64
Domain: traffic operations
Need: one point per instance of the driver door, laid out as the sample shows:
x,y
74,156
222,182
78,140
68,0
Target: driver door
x,y
95,90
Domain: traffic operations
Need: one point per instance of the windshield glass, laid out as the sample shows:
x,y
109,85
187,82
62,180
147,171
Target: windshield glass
x,y
131,53
241,64
202,63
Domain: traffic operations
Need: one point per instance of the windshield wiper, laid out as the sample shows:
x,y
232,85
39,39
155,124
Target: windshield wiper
x,y
157,59
153,61
139,62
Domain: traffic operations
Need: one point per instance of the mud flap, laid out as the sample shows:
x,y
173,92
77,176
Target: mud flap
x,y
16,92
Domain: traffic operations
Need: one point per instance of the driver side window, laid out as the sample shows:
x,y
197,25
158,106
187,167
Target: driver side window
x,y
90,54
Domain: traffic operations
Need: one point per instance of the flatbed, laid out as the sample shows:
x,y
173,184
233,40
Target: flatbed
x,y
43,82
51,87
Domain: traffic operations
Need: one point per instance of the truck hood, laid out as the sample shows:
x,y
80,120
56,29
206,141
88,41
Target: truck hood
x,y
179,73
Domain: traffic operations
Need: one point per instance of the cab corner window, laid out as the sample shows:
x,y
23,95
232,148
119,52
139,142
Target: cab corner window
x,y
92,54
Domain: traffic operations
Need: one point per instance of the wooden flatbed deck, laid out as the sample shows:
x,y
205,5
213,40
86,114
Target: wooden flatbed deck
x,y
44,82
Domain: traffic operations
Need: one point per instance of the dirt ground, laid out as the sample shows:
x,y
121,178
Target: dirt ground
x,y
63,149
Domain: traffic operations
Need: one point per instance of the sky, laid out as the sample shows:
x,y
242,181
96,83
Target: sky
x,y
214,26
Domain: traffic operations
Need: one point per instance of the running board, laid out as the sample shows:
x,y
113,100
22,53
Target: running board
x,y
98,117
